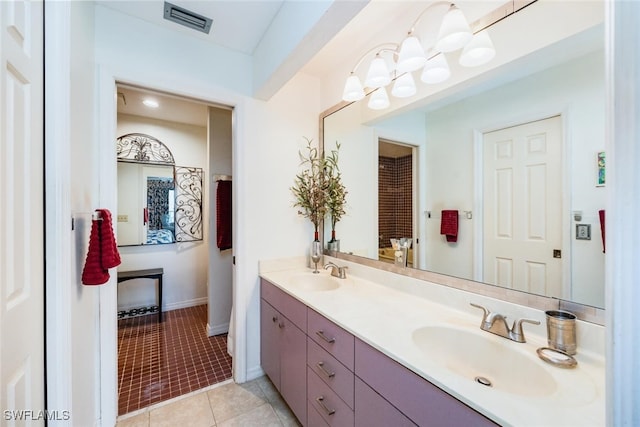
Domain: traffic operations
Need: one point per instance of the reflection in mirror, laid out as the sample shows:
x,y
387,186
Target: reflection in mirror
x,y
455,139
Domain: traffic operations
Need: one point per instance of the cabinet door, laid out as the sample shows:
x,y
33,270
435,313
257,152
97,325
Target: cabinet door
x,y
374,411
293,368
270,320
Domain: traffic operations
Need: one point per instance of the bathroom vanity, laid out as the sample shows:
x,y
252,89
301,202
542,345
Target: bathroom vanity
x,y
357,352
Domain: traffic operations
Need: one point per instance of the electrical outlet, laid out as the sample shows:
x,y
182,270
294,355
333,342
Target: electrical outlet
x,y
123,218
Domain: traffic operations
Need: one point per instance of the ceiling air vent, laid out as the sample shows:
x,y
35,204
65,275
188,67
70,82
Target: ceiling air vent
x,y
187,18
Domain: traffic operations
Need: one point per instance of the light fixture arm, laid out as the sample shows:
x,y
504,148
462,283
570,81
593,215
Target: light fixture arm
x,y
431,6
384,47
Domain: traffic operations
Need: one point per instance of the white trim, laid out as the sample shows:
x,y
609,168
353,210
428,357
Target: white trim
x,y
622,51
58,207
218,329
478,206
108,301
105,118
255,372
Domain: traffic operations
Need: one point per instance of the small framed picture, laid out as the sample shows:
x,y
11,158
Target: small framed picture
x,y
601,169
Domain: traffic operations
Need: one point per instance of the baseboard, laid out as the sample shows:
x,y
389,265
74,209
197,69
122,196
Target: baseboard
x,y
218,329
173,305
185,304
255,372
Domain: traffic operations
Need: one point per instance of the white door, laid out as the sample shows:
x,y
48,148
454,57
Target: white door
x,y
22,218
523,207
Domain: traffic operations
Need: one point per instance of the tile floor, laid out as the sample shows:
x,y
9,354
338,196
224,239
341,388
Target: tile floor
x,y
159,361
256,403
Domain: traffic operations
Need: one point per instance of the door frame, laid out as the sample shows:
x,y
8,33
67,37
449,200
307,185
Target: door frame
x,y
106,112
478,229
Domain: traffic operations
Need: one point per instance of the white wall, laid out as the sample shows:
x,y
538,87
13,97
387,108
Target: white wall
x,y
565,89
84,304
220,262
267,136
185,264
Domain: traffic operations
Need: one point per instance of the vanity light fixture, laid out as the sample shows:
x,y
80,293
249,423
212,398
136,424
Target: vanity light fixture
x,y
151,103
454,34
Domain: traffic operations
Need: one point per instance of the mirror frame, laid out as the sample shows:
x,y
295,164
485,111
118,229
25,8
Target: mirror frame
x,y
583,312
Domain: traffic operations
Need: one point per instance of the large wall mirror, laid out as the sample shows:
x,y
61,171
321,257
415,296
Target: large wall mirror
x,y
551,101
158,202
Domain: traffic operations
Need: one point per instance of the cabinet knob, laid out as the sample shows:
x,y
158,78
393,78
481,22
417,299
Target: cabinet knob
x,y
274,319
280,325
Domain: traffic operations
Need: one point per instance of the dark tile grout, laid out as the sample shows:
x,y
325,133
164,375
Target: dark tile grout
x,y
156,360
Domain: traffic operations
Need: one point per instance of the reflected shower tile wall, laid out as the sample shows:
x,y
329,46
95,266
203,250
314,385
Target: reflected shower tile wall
x,y
395,204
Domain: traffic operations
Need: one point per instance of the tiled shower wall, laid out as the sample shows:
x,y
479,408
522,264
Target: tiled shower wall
x,y
394,199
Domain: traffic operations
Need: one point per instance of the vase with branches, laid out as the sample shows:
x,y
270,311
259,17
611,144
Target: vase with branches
x,y
336,194
309,187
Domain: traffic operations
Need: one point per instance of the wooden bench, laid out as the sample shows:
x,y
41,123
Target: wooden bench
x,y
151,273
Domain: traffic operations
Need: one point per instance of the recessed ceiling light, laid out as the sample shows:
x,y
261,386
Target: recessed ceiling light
x,y
152,103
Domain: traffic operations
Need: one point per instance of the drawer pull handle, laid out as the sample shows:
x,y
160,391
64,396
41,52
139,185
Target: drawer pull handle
x,y
320,366
280,325
320,401
321,334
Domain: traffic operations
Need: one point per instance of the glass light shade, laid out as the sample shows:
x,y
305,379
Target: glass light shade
x,y
353,90
411,56
404,86
378,74
479,51
379,100
436,70
454,31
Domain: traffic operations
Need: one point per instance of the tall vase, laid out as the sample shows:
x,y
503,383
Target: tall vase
x,y
316,254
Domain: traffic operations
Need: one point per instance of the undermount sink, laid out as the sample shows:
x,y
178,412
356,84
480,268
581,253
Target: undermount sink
x,y
314,282
486,360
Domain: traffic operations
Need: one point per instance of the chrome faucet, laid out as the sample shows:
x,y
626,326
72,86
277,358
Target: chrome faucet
x,y
336,271
497,324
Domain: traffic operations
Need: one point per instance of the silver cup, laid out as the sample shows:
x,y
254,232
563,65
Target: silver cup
x,y
561,331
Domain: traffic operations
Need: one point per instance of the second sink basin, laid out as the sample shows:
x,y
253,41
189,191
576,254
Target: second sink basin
x,y
485,360
314,282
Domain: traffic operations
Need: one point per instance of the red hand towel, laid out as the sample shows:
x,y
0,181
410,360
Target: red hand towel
x,y
449,225
602,216
110,257
223,215
103,252
93,273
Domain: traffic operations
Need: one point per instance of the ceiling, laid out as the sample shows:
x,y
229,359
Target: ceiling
x,y
237,24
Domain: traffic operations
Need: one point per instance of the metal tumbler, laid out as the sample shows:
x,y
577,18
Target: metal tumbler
x,y
561,331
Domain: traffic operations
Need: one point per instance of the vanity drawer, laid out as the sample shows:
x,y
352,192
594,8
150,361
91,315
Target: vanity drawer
x,y
418,399
314,419
290,307
372,410
324,400
331,337
330,371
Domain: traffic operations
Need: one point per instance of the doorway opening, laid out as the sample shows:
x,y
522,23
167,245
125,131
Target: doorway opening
x,y
185,349
396,202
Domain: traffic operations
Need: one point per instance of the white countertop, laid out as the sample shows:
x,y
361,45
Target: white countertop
x,y
386,315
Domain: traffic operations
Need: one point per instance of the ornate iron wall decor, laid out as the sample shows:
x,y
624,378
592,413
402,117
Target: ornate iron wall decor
x,y
188,209
138,147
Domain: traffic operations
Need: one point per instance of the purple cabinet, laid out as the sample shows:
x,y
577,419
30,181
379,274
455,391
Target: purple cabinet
x,y
330,371
283,347
331,337
327,403
374,411
418,399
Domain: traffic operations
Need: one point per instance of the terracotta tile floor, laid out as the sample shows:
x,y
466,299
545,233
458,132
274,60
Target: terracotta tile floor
x,y
159,361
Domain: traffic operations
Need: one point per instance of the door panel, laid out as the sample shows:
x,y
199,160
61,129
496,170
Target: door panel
x,y
523,207
21,224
